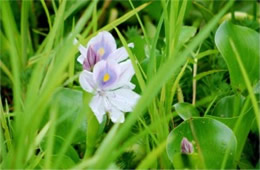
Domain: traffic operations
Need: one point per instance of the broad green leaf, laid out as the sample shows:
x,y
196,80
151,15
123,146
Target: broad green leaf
x,y
186,110
229,106
69,106
246,41
230,122
58,141
210,136
235,113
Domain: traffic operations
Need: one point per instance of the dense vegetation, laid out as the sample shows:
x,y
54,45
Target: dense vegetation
x,y
195,66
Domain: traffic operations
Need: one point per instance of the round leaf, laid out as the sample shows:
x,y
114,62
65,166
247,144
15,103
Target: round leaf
x,y
212,137
246,41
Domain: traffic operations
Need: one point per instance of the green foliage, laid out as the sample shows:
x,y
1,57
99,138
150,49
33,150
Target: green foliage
x,y
200,52
208,136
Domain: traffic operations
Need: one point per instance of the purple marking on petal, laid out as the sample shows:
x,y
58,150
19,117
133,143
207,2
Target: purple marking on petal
x,y
112,76
186,146
86,65
102,45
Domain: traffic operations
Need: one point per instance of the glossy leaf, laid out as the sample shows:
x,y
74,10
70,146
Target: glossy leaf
x,y
229,106
186,110
230,122
247,43
239,116
211,136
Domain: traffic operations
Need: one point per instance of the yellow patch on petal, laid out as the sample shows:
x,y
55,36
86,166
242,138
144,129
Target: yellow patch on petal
x,y
106,77
101,51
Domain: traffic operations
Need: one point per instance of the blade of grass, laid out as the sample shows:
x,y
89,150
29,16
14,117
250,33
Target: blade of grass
x,y
173,20
24,30
118,21
6,71
141,24
203,74
54,6
247,82
92,127
152,156
178,27
47,13
75,6
32,97
72,62
5,128
3,149
152,66
10,30
50,138
133,60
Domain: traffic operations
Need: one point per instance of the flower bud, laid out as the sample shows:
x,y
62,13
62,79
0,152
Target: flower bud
x,y
91,59
186,146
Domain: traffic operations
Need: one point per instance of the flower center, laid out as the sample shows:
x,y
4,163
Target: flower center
x,y
101,51
106,77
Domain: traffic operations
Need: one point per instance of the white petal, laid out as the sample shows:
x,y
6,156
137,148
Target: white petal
x,y
83,52
110,40
126,74
86,81
127,71
116,115
123,99
81,59
104,36
97,106
120,54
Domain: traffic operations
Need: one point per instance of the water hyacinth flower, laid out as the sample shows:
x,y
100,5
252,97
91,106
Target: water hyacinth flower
x,y
101,47
186,146
110,84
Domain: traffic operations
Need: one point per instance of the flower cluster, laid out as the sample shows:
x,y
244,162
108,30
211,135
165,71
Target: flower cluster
x,y
107,74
